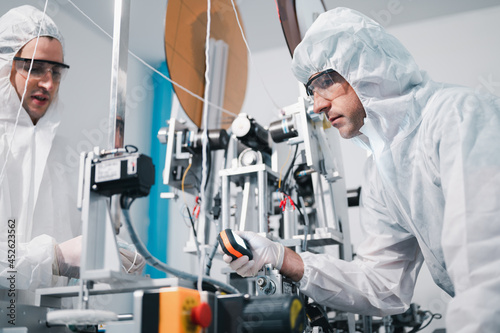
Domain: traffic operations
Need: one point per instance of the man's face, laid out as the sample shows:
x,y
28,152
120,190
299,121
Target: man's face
x,y
334,96
40,92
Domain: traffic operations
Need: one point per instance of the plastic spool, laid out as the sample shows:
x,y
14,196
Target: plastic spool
x,y
80,317
185,28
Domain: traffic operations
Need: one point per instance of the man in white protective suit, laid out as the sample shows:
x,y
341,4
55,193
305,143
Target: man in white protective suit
x,y
432,184
40,224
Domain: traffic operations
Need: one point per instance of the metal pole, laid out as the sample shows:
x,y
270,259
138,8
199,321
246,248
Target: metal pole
x,y
262,186
119,74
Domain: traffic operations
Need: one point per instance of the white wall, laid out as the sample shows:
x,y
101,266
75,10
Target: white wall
x,y
462,49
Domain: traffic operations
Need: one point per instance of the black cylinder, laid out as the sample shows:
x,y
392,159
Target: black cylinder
x,y
273,314
250,133
283,129
218,139
193,140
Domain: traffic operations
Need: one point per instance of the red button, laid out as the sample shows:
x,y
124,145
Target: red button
x,y
201,315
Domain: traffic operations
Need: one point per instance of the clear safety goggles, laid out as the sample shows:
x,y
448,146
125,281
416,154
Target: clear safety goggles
x,y
40,68
323,84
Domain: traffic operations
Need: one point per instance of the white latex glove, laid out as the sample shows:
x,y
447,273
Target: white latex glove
x,y
67,258
132,261
264,252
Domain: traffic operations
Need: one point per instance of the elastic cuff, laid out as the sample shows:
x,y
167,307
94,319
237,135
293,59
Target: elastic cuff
x,y
55,263
281,256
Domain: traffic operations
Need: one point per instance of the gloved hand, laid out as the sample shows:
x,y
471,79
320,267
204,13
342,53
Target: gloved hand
x,y
132,261
67,258
264,252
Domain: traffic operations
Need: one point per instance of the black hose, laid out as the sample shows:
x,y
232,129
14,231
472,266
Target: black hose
x,y
154,262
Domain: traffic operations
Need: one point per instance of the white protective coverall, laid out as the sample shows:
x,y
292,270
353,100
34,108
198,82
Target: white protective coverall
x,y
36,189
432,187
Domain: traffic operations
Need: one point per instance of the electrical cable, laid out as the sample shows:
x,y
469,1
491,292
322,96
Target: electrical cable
x,y
218,228
154,262
192,222
209,163
134,149
290,169
196,243
184,216
124,204
283,166
433,315
196,185
204,140
2,173
324,6
306,222
182,184
204,159
211,256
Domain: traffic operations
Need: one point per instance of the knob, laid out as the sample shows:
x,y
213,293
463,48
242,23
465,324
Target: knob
x,y
201,314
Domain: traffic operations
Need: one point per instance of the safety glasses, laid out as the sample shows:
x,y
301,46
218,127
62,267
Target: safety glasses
x,y
40,68
323,84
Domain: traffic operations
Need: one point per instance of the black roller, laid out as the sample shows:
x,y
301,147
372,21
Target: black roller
x,y
283,129
273,314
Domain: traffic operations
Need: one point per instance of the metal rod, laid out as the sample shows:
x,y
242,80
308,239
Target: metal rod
x,y
119,74
262,185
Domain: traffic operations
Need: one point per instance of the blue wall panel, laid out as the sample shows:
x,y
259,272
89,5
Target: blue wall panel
x,y
158,211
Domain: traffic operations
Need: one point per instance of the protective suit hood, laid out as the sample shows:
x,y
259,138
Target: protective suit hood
x,y
18,27
376,65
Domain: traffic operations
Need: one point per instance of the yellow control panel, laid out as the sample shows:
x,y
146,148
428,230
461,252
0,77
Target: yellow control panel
x,y
182,311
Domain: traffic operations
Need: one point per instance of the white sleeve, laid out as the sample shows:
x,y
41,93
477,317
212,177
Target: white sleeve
x,y
469,151
381,280
26,265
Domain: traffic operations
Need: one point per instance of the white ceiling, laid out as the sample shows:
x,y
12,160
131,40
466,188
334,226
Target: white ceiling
x,y
406,11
